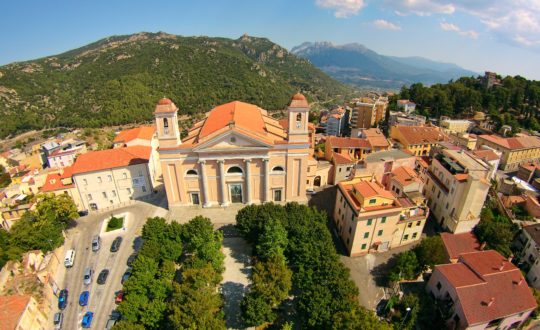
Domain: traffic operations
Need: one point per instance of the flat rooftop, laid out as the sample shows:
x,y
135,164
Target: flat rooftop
x,y
383,155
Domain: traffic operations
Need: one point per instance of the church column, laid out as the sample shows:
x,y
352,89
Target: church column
x,y
266,165
247,179
206,202
222,185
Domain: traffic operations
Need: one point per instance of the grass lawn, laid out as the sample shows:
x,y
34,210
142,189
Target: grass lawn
x,y
115,223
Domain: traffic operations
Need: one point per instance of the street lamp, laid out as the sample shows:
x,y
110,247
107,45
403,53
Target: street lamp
x,y
408,309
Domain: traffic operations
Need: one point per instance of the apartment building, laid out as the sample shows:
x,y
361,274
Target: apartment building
x,y
403,119
456,188
406,106
370,218
515,150
110,177
464,140
449,125
380,165
528,253
61,182
336,122
368,112
482,290
21,312
417,139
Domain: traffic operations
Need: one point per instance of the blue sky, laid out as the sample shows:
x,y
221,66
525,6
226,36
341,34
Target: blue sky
x,y
498,35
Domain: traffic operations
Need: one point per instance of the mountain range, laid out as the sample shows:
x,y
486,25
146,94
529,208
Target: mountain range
x,y
358,65
118,80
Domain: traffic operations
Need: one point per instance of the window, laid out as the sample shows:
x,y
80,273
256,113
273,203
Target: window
x,y
347,241
350,229
143,188
278,169
129,191
89,197
114,193
235,170
414,235
406,237
369,221
140,173
373,201
364,246
85,182
341,198
439,194
124,175
366,234
165,126
418,223
109,178
299,120
383,220
380,233
409,225
439,286
340,170
104,194
99,179
447,205
277,195
191,172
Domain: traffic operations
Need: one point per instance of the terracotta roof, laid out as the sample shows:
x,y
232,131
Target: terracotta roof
x,y
424,161
456,244
405,176
54,180
299,101
111,158
488,287
236,113
420,134
142,132
347,142
520,142
371,189
486,154
11,310
165,106
340,159
375,137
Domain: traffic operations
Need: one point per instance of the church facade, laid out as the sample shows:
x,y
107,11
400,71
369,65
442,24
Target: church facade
x,y
236,154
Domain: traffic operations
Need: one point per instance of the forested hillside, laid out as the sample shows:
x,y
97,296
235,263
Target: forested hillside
x,y
119,79
514,102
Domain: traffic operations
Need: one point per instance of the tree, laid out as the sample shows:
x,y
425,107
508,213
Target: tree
x,y
406,267
430,252
203,242
356,317
256,310
56,209
272,240
5,178
497,233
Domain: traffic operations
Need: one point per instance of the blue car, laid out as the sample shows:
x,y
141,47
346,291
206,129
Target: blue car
x,y
87,319
83,298
62,299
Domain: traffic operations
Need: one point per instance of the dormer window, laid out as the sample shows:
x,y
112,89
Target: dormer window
x,y
165,126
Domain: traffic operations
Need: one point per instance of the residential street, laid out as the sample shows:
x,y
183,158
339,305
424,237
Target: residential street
x,y
101,301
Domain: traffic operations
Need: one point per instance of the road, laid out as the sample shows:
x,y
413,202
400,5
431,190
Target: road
x,y
101,301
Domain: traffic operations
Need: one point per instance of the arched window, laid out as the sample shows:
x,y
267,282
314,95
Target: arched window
x,y
191,172
298,120
278,169
235,170
165,126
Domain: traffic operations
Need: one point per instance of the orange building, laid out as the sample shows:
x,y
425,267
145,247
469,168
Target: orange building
x,y
237,154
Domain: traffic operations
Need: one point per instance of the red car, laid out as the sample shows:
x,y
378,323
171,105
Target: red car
x,y
119,297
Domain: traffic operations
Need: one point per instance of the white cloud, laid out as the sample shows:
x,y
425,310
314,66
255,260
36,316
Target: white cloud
x,y
385,25
343,8
421,7
454,28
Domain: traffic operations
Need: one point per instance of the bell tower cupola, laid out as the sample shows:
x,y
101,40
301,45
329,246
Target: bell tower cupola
x,y
298,116
166,115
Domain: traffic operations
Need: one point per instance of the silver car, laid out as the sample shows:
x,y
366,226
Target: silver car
x,y
88,272
96,243
58,320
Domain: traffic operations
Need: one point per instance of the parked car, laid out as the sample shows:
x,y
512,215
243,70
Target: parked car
x,y
87,319
116,244
88,276
126,275
119,297
83,298
110,324
102,277
62,299
96,243
58,320
69,259
83,213
131,259
116,315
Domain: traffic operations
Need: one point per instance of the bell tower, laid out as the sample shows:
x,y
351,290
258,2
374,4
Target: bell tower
x,y
166,115
298,115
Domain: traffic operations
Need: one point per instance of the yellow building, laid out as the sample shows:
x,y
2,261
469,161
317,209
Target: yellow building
x,y
21,312
515,150
368,112
62,183
237,154
417,139
449,125
465,140
370,218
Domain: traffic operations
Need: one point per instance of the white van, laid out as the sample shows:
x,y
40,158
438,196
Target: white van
x,y
70,257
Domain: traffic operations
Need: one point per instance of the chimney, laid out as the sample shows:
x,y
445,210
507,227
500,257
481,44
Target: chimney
x,y
502,265
483,246
491,301
510,257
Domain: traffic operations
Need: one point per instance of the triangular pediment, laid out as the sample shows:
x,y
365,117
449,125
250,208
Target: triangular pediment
x,y
231,140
